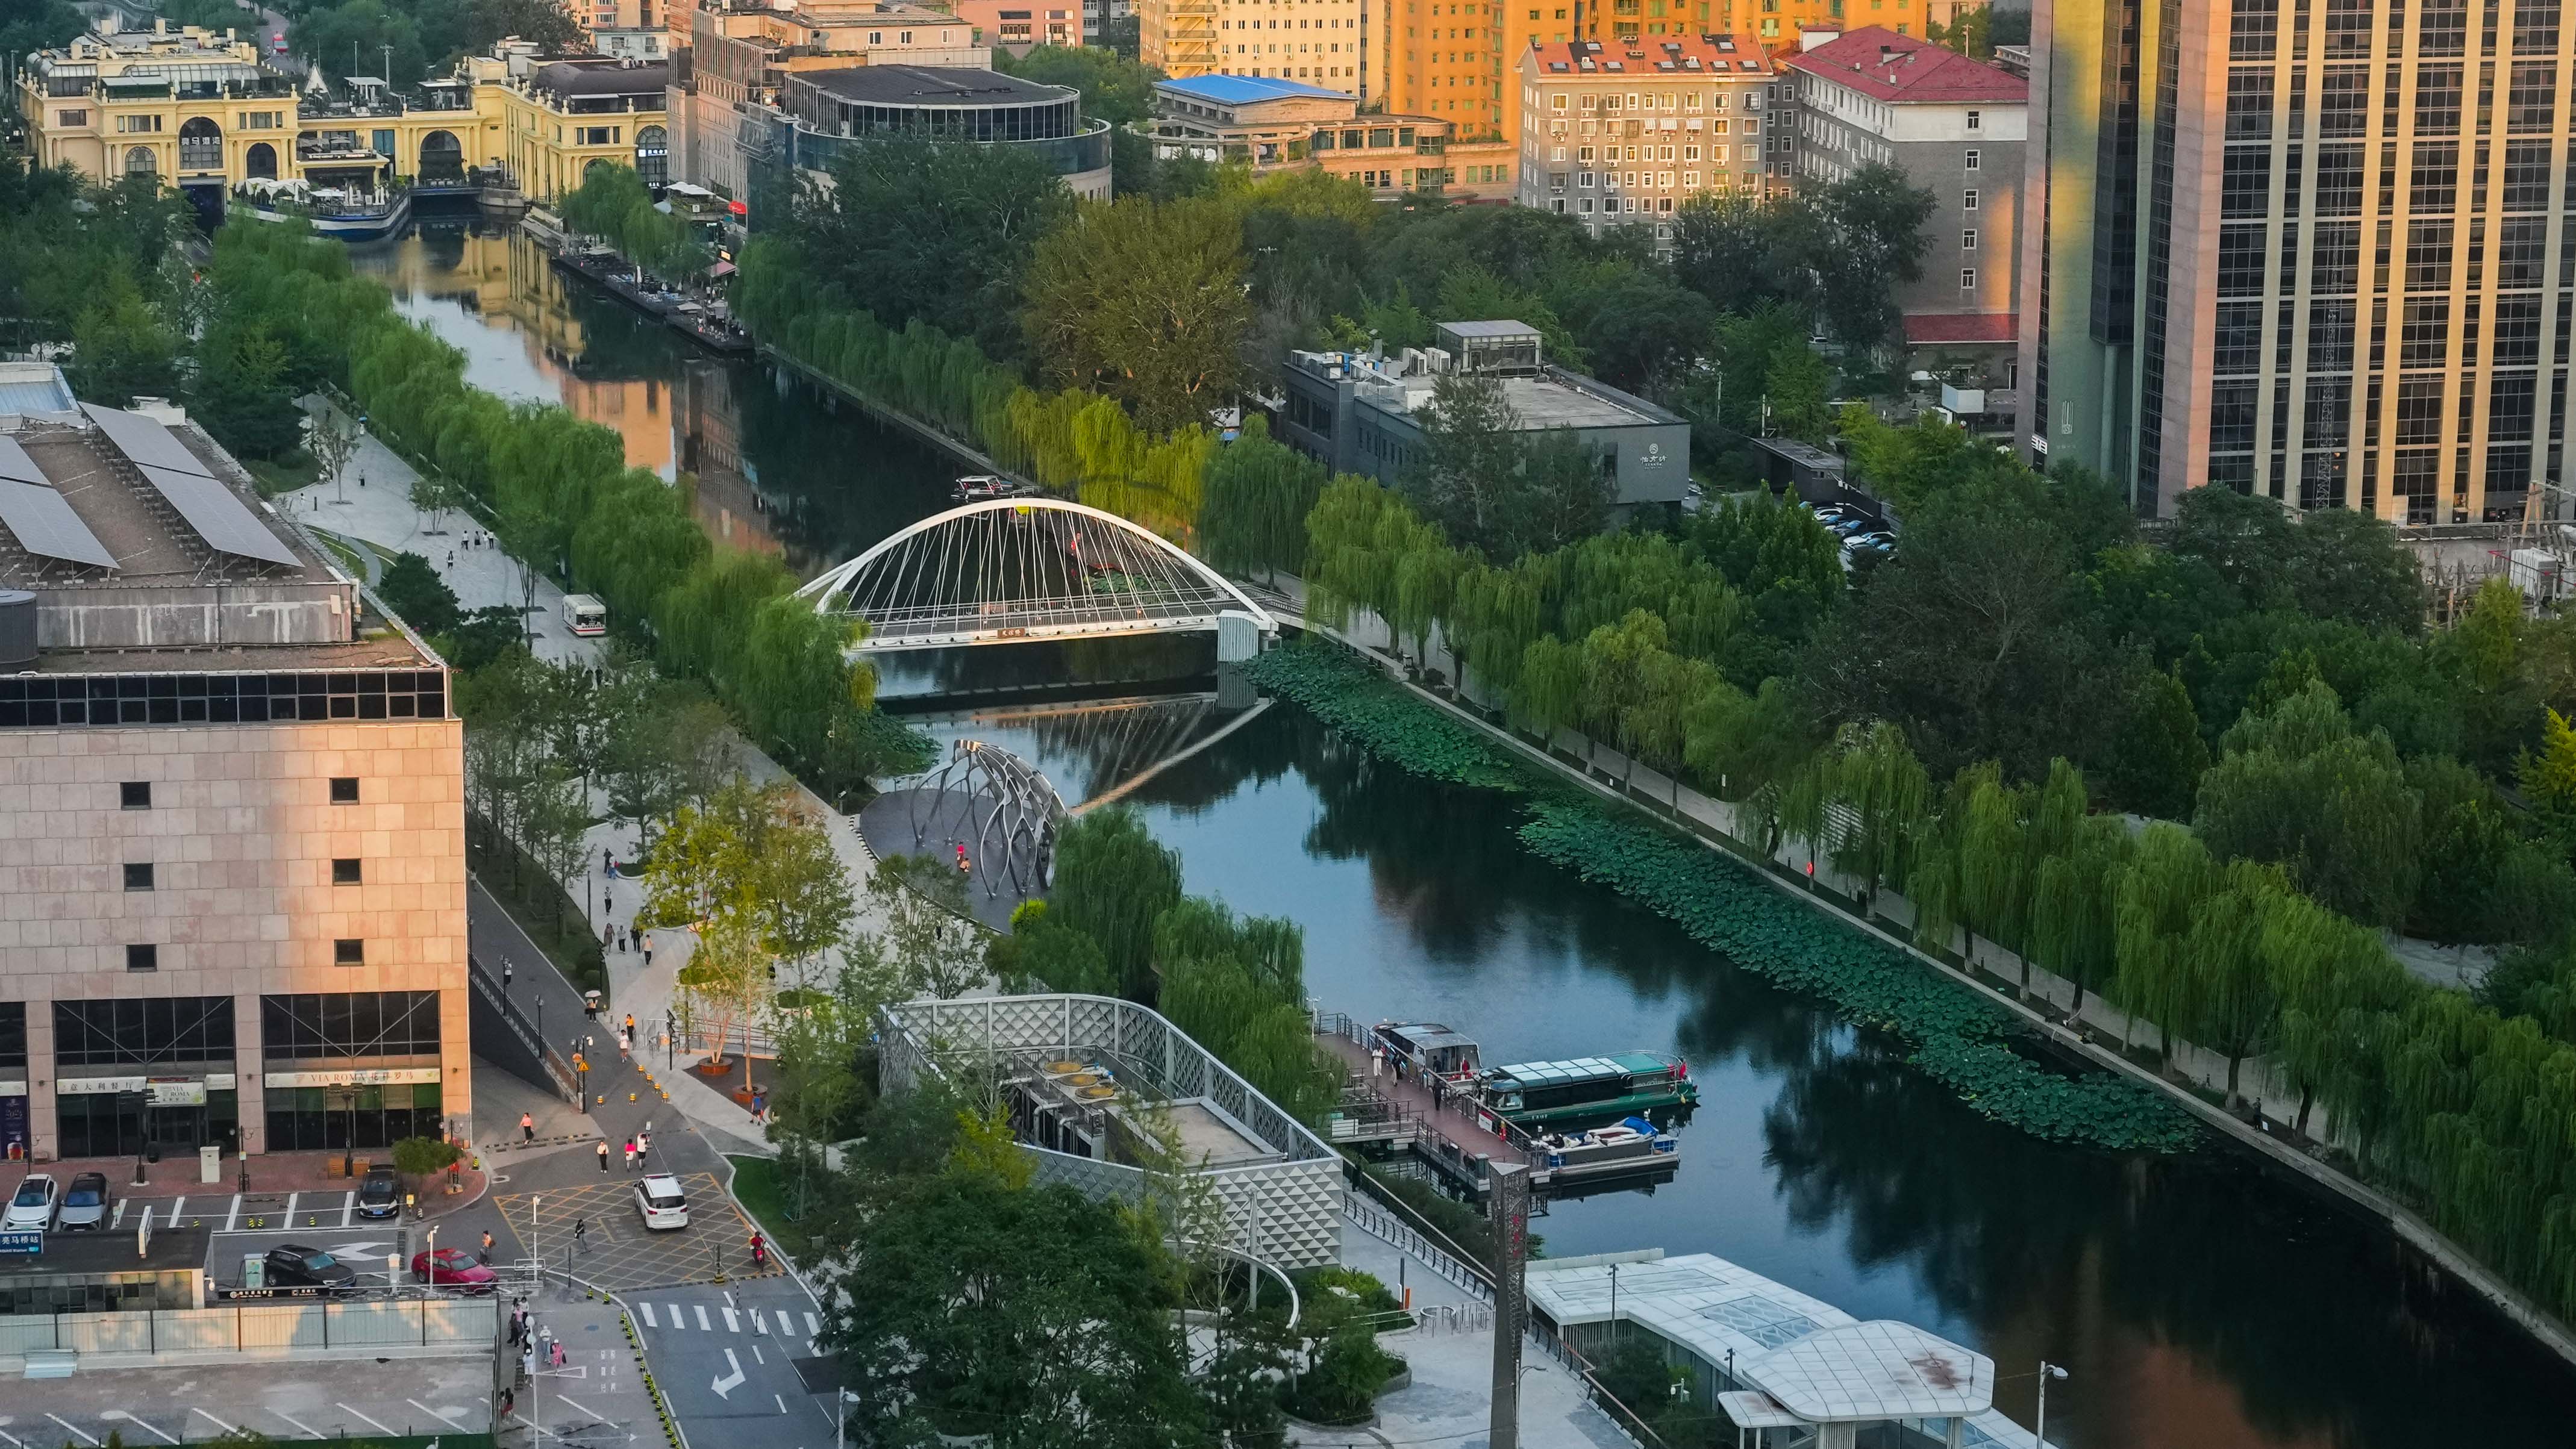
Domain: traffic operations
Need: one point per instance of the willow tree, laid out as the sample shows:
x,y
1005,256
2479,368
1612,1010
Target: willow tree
x,y
2339,986
1112,882
2230,997
1549,693
1874,776
2071,906
2161,891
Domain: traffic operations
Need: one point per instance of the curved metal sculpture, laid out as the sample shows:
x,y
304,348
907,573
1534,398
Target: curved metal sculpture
x,y
1012,569
1012,811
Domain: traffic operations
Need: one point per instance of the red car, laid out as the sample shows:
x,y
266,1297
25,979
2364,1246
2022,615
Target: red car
x,y
452,1268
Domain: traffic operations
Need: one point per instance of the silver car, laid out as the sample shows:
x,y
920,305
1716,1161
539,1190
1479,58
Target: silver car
x,y
86,1203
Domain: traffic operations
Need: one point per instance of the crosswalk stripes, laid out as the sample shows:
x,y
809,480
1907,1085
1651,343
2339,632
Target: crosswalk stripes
x,y
813,1327
703,1325
648,1315
758,1325
732,1323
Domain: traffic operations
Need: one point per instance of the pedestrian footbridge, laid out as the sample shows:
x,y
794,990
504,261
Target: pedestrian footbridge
x,y
1017,570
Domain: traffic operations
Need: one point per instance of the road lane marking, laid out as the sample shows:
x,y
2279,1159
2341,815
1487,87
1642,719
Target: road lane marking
x,y
309,1431
703,1325
648,1315
813,1327
757,1356
117,1219
782,1404
348,1210
381,1426
68,1424
14,1439
728,1293
576,1403
232,1213
758,1324
426,1409
290,1222
674,1310
177,1205
733,1324
218,1423
724,1384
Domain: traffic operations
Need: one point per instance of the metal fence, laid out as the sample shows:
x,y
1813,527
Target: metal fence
x,y
259,1328
1369,1218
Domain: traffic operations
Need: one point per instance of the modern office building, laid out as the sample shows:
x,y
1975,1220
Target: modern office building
x,y
1362,412
822,112
2311,252
1318,41
232,861
1620,134
732,58
1956,128
1271,125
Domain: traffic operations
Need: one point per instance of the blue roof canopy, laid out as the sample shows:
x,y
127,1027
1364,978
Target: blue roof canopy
x,y
1236,90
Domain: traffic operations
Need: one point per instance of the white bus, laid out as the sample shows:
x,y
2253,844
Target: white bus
x,y
585,614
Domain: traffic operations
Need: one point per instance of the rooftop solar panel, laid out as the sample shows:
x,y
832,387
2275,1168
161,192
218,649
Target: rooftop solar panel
x,y
144,441
44,524
219,516
16,466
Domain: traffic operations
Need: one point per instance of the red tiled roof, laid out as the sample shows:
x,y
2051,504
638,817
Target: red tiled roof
x,y
1933,328
1651,56
1887,66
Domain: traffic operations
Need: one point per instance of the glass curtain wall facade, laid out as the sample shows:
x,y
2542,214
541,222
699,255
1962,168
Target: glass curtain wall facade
x,y
2351,275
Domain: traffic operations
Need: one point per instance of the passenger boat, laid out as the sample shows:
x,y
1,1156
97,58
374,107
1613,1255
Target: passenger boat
x,y
1631,1145
343,215
1586,1088
976,487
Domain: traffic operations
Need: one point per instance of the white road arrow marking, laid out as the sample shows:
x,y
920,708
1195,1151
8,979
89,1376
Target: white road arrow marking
x,y
724,1385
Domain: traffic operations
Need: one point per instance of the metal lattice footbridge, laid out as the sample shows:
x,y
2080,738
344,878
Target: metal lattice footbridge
x,y
1009,570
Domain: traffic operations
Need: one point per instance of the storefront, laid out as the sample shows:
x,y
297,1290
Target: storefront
x,y
169,1115
15,1138
337,1110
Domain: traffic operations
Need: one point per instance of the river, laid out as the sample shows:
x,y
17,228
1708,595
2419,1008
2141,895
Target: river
x,y
2200,1302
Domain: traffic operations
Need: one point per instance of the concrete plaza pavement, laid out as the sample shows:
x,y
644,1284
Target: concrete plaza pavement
x,y
282,1399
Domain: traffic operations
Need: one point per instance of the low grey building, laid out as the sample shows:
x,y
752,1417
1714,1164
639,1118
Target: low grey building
x,y
821,111
1361,412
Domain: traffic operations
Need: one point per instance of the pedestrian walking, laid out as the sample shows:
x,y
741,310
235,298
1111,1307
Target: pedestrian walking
x,y
760,1106
630,1154
509,973
625,1046
509,1403
555,1353
605,931
644,1146
527,1127
1377,1062
451,558
648,948
603,1154
581,1226
528,1362
630,1023
486,1259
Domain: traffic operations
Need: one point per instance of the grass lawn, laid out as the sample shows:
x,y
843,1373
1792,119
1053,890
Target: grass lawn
x,y
285,475
763,1192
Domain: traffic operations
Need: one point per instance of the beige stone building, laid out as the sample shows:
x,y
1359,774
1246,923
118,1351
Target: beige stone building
x,y
1622,134
232,875
1322,42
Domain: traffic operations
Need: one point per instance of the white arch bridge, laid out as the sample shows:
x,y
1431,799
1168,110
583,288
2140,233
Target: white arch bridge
x,y
1016,570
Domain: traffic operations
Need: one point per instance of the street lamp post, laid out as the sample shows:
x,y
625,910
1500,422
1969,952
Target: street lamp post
x,y
1614,1303
2047,1371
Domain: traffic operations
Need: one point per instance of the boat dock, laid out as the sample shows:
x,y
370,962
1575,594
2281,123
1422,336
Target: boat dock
x,y
1410,1108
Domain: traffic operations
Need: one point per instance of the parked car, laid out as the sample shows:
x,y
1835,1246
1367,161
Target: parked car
x,y
452,1268
296,1266
86,1205
35,1204
659,1198
380,1195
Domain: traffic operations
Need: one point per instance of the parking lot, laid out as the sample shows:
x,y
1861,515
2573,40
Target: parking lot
x,y
614,1249
281,1399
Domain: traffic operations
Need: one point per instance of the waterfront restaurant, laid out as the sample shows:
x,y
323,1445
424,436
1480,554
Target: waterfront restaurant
x,y
1788,1371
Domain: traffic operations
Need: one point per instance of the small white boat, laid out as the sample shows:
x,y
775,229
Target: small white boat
x,y
1630,1145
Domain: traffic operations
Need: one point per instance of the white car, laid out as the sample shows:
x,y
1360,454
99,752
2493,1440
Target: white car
x,y
659,1199
35,1204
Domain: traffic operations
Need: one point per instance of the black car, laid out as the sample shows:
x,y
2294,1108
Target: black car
x,y
380,1195
293,1266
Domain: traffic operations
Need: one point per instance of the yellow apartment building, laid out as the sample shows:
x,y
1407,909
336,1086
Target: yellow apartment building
x,y
1320,42
204,110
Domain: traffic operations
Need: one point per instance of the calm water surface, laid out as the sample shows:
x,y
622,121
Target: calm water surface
x,y
2198,1301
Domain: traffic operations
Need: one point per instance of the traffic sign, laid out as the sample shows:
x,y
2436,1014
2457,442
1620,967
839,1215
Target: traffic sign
x,y
23,1240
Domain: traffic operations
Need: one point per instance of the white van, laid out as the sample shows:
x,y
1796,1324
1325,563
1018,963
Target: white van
x,y
585,614
659,1199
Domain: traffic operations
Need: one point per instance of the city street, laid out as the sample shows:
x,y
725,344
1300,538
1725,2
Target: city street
x,y
726,1358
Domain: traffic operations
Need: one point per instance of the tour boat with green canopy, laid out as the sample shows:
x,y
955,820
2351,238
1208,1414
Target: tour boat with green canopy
x,y
1583,1088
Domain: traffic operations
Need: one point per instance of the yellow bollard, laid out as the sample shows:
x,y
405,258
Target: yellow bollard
x,y
630,1096
602,1100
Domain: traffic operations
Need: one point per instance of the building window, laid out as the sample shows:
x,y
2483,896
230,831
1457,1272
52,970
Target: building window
x,y
1967,279
134,795
344,789
141,958
346,871
342,1025
138,875
71,118
1972,120
136,1031
1968,201
345,951
1974,160
1968,240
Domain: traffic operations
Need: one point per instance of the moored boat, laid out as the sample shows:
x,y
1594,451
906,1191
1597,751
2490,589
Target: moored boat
x,y
1630,1145
1582,1089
